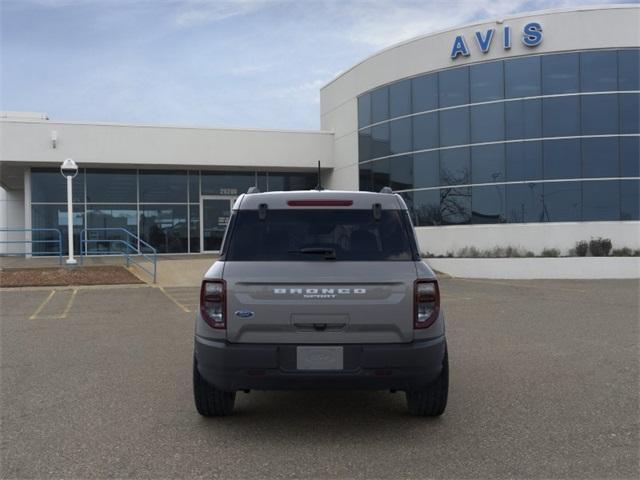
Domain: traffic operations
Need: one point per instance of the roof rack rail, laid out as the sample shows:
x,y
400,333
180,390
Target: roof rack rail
x,y
253,189
386,190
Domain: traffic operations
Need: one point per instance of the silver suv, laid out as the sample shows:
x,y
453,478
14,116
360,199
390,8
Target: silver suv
x,y
320,290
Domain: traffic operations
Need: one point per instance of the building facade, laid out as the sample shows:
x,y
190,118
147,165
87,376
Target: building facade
x,y
521,132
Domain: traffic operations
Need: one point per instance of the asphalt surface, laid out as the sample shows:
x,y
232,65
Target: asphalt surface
x,y
544,384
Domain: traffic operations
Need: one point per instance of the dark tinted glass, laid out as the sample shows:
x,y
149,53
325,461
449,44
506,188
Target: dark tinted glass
x,y
400,98
194,228
112,186
487,164
454,87
194,186
523,119
364,110
487,123
629,200
629,69
601,200
48,185
426,169
560,73
599,114
54,216
309,235
524,203
163,186
165,227
400,135
292,181
561,159
522,77
381,173
123,217
630,157
599,71
401,172
629,112
425,131
455,205
600,157
561,116
380,105
426,208
524,161
488,204
365,145
487,82
562,201
366,178
380,141
454,127
231,183
455,167
424,93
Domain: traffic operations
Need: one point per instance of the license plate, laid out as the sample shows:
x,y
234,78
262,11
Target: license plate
x,y
319,358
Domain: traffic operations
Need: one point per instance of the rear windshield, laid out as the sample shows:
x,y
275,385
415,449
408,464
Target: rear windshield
x,y
319,235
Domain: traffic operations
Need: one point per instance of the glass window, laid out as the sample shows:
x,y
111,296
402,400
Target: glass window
x,y
600,157
487,164
488,204
380,105
560,73
401,172
561,159
263,183
454,87
426,208
630,157
599,114
487,81
227,183
562,201
194,186
425,131
561,116
629,200
366,179
601,200
454,127
487,123
194,228
523,119
292,181
166,186
112,186
524,203
455,167
364,110
424,93
599,71
55,216
426,169
48,185
380,141
400,98
365,145
165,227
400,135
123,217
455,205
524,161
629,69
629,112
380,170
522,77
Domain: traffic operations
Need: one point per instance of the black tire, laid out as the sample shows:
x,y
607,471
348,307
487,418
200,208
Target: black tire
x,y
211,402
432,401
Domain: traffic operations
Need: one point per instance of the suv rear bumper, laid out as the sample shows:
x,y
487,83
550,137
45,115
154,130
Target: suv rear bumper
x,y
403,366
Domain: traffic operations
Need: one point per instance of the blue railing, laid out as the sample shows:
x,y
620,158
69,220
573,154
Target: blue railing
x,y
57,241
132,247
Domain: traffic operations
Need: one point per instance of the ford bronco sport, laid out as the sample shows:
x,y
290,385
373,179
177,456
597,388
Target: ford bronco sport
x,y
320,290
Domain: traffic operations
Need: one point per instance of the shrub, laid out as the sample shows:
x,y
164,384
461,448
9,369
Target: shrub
x,y
600,247
582,248
625,252
550,252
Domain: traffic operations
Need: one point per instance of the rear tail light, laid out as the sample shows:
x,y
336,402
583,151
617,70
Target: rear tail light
x,y
213,303
426,303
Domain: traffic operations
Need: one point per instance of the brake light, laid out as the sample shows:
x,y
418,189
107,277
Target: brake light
x,y
426,303
213,303
320,203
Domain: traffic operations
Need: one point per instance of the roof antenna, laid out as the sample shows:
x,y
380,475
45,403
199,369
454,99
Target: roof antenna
x,y
319,186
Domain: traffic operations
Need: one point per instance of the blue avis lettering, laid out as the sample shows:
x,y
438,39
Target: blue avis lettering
x,y
531,37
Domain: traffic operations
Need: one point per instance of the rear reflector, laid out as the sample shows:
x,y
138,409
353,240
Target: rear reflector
x,y
320,203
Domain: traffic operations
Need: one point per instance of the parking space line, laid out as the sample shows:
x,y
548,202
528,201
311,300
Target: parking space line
x,y
68,307
58,316
170,297
42,305
515,285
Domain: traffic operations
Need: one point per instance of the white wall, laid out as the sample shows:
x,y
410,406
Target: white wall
x,y
11,216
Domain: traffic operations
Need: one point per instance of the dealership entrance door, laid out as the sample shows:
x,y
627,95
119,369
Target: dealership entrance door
x,y
214,216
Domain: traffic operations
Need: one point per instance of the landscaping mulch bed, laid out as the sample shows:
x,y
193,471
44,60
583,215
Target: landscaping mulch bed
x,y
63,276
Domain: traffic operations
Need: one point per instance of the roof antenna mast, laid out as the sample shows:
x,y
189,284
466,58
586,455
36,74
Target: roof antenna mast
x,y
319,186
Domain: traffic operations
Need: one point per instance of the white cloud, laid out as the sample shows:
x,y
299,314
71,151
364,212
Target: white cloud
x,y
198,12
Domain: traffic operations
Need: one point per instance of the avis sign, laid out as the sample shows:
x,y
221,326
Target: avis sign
x,y
531,37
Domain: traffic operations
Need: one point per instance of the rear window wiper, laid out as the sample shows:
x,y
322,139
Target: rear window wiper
x,y
329,253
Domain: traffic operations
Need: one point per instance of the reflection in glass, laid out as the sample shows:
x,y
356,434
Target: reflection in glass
x,y
600,157
630,200
599,114
487,81
48,185
55,216
366,178
401,172
291,181
524,203
380,105
487,123
522,77
381,174
194,228
400,135
601,200
426,169
426,208
112,186
561,159
400,98
166,186
380,140
454,127
365,145
111,216
560,73
425,131
630,157
629,69
194,186
364,110
599,71
487,164
424,93
227,183
454,87
629,113
562,201
455,167
524,161
455,205
523,119
488,204
561,116
165,227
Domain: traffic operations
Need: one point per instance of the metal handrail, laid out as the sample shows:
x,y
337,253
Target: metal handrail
x,y
149,256
32,241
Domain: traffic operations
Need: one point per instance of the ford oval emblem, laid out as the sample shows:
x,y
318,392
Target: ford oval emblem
x,y
244,313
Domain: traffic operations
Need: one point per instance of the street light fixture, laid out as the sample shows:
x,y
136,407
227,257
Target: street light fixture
x,y
69,170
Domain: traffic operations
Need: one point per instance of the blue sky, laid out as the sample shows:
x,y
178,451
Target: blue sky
x,y
232,63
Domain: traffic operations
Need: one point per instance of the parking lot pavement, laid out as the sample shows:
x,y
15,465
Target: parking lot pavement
x,y
544,384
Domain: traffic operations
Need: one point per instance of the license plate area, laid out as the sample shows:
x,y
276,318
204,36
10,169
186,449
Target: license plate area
x,y
319,358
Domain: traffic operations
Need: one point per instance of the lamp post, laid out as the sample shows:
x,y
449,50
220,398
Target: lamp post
x,y
69,170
